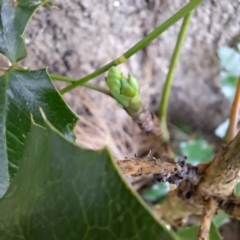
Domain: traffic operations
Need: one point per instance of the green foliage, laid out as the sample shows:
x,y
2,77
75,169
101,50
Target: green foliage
x,y
157,193
183,126
190,233
22,93
228,84
238,189
63,191
229,60
220,219
197,151
12,26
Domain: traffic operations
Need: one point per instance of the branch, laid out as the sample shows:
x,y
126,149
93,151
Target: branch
x,y
140,45
221,176
208,212
149,123
163,171
138,167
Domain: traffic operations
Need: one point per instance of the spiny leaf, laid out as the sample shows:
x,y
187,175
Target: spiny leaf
x,y
65,192
14,16
21,95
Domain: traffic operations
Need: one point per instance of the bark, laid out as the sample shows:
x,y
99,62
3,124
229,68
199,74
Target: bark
x,y
138,167
215,180
208,212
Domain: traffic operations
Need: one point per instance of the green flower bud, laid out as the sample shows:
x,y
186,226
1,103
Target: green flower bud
x,y
114,79
125,91
130,86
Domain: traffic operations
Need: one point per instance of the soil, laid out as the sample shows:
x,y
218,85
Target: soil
x,y
77,37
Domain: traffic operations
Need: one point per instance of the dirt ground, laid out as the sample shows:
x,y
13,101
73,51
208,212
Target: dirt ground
x,y
77,37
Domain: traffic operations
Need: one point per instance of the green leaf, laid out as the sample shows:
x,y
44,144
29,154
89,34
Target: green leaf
x,y
220,219
66,192
3,147
157,193
13,22
229,60
190,233
222,129
238,189
197,151
229,85
22,93
182,125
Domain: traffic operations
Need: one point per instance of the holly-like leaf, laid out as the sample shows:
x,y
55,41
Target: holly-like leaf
x,y
190,233
14,16
21,94
65,192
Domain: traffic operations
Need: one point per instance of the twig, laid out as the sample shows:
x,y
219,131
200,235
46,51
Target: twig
x,y
97,88
208,212
233,129
138,167
163,171
222,174
140,45
149,123
87,85
150,165
162,113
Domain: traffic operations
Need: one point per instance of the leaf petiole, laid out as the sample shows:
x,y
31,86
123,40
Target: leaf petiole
x,y
87,85
162,112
